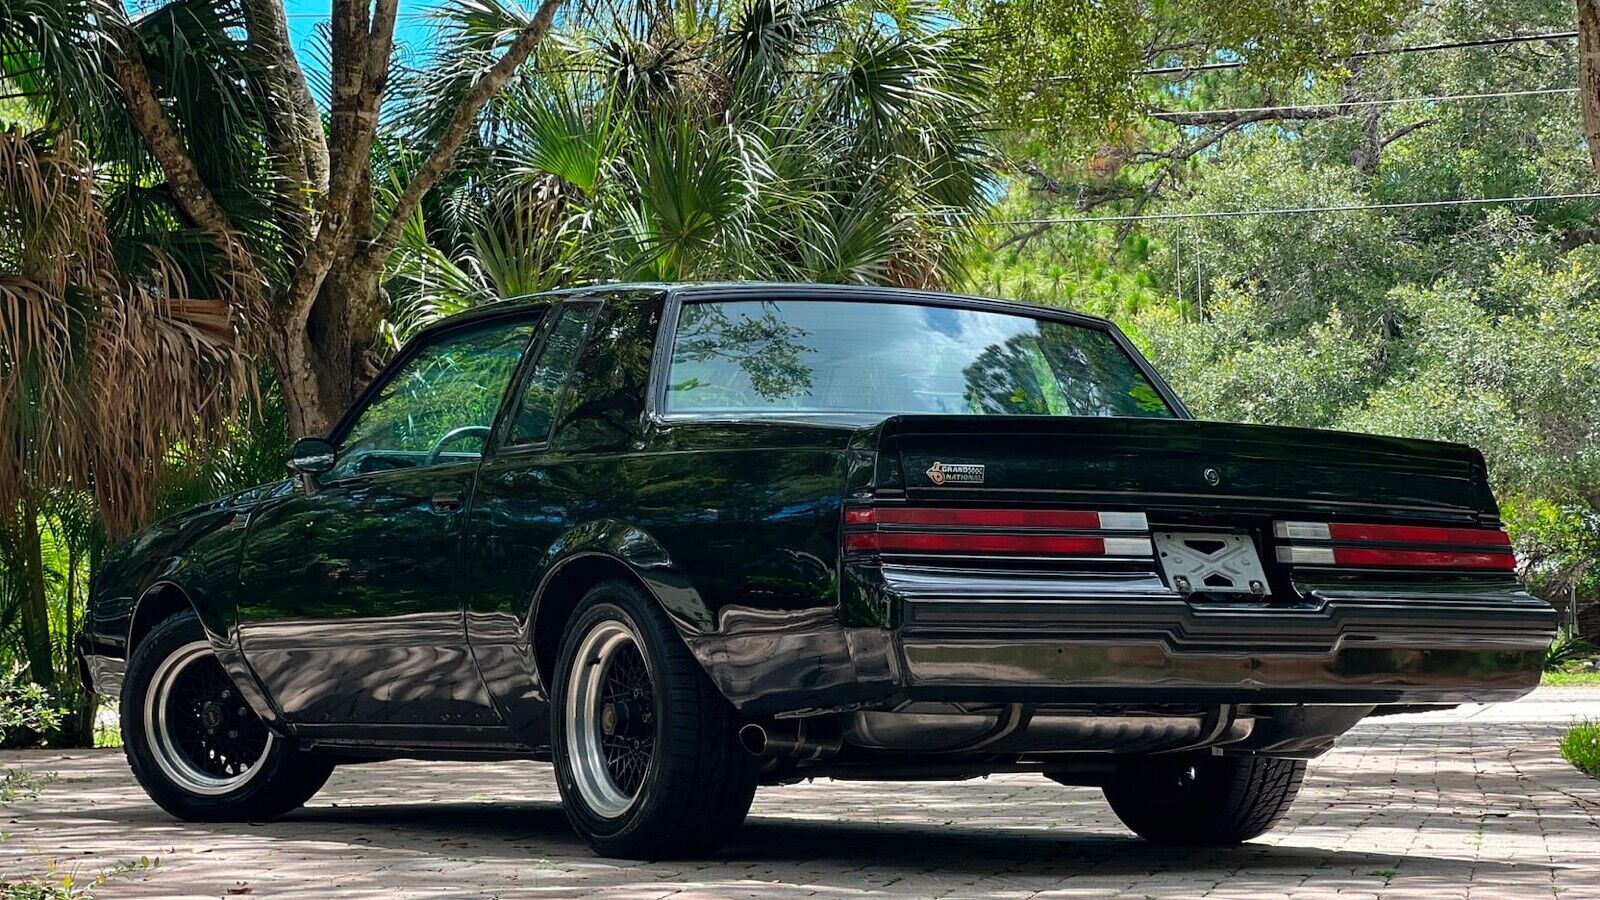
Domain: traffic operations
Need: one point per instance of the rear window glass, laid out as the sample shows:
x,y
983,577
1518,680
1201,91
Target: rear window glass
x,y
820,356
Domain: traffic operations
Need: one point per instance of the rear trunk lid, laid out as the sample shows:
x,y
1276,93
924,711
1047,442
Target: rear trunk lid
x,y
1183,470
1218,512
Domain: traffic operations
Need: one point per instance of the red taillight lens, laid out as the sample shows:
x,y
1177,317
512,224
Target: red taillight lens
x,y
1417,534
921,542
1442,559
1020,532
1394,546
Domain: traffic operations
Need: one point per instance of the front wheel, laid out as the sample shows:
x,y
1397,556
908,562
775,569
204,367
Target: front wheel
x,y
1207,800
646,750
193,742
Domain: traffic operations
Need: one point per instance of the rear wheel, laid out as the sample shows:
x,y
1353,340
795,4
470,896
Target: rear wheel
x,y
646,750
193,742
1205,800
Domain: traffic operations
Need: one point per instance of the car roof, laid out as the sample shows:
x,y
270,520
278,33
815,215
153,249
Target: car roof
x,y
734,290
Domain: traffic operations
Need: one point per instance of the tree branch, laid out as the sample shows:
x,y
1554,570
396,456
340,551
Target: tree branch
x,y
1404,130
293,125
1021,238
362,68
461,125
1084,196
1578,237
189,189
1203,118
1589,76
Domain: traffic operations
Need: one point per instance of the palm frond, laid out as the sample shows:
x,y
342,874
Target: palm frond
x,y
100,369
52,56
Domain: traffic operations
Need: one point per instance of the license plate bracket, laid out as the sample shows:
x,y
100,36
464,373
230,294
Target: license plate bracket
x,y
1211,562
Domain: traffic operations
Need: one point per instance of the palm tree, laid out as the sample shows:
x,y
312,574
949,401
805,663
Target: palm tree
x,y
116,342
801,140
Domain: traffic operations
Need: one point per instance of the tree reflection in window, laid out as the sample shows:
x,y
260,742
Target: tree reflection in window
x,y
764,347
1057,373
867,359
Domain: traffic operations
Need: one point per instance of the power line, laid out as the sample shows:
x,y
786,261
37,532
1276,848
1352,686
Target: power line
x,y
314,15
1297,210
1391,101
1364,54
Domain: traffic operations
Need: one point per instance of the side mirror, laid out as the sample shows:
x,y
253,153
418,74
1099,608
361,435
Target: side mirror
x,y
310,457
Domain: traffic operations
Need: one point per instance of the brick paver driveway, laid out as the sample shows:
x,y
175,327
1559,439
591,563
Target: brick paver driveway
x,y
1470,803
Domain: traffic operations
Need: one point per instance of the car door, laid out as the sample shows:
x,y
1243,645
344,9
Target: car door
x,y
516,514
351,604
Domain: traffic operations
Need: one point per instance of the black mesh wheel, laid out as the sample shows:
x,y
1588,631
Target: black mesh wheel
x,y
646,750
193,741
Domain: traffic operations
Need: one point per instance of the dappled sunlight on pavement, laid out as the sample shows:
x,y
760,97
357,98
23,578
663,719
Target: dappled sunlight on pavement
x,y
1472,803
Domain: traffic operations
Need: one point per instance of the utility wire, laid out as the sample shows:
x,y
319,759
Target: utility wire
x,y
1297,210
1391,101
1364,54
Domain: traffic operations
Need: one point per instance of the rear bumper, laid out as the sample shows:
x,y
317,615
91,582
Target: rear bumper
x,y
1327,650
1105,651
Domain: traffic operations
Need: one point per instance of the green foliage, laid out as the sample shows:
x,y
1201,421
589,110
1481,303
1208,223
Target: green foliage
x,y
1567,648
1478,324
56,885
17,784
1066,69
761,139
251,451
1581,747
27,711
1570,679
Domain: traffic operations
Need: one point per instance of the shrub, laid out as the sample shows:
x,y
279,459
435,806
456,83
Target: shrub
x,y
1566,648
1581,747
27,710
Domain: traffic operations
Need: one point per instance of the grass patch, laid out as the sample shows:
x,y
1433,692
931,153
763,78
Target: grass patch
x,y
1581,747
1571,679
56,886
16,784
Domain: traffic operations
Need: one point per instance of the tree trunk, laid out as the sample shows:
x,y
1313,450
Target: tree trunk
x,y
36,643
1589,76
320,329
340,352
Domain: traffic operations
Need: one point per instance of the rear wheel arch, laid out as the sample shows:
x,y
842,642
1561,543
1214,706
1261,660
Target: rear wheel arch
x,y
559,594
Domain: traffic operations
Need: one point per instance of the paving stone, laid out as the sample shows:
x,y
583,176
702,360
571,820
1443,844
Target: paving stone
x,y
1470,804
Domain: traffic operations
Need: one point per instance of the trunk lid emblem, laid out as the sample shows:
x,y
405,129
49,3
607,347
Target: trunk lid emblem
x,y
955,473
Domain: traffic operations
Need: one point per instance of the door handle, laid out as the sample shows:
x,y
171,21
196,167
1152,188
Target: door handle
x,y
448,501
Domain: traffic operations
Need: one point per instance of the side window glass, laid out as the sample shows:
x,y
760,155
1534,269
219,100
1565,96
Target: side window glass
x,y
537,411
604,406
438,407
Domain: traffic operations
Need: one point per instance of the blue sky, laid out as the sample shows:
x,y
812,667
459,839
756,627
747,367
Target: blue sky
x,y
307,16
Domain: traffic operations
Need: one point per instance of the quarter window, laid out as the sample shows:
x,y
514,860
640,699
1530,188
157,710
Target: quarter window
x,y
541,398
439,405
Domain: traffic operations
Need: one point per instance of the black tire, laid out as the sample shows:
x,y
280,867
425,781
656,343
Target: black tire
x,y
694,786
273,782
1206,801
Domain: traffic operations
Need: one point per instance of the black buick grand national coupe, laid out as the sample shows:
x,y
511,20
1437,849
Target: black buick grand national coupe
x,y
688,540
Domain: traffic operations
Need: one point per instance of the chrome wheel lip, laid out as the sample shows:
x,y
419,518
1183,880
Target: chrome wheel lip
x,y
581,717
174,764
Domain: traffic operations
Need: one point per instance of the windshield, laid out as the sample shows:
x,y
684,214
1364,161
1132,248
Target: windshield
x,y
833,357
